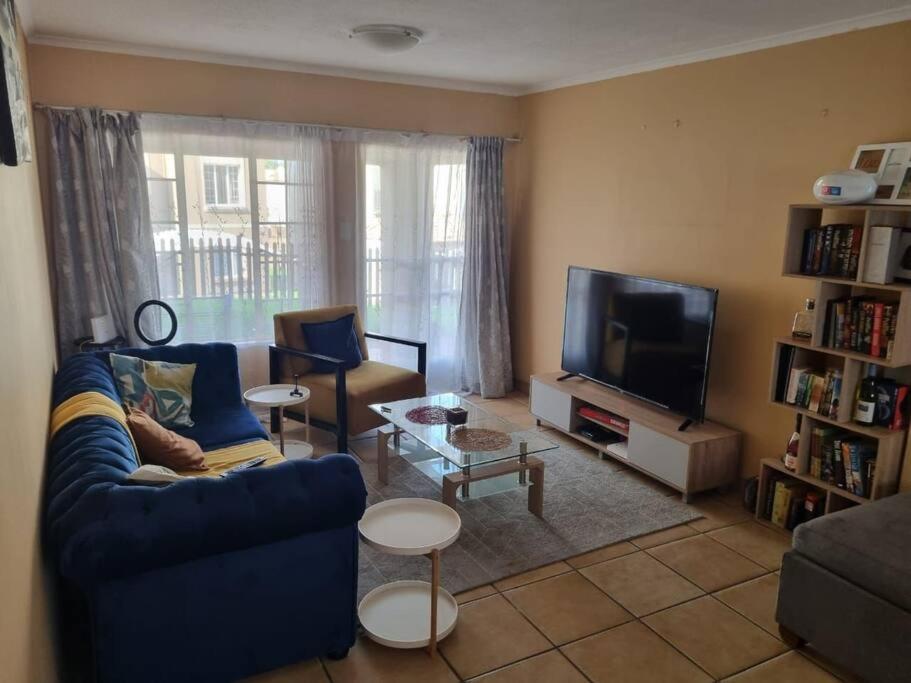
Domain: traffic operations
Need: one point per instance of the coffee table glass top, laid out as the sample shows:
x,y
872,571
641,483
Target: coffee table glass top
x,y
434,436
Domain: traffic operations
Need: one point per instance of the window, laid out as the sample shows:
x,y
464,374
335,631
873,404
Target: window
x,y
413,212
222,182
237,239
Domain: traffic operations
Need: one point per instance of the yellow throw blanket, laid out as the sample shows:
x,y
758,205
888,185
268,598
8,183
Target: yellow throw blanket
x,y
92,403
224,459
89,404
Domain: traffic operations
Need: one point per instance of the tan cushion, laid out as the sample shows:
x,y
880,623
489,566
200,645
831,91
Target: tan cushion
x,y
370,382
160,446
288,333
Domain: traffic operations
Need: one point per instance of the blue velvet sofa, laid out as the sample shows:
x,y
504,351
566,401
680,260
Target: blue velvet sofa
x,y
207,579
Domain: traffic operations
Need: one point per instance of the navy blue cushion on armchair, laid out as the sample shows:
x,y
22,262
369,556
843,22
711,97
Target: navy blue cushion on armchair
x,y
206,579
333,338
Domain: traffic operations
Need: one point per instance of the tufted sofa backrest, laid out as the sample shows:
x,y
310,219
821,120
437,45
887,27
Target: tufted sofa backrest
x,y
90,457
216,384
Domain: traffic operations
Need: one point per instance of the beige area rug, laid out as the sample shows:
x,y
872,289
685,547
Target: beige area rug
x,y
588,503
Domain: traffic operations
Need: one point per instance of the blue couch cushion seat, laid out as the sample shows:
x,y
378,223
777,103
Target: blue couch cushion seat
x,y
229,427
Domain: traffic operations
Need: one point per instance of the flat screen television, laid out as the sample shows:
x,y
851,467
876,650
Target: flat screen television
x,y
647,338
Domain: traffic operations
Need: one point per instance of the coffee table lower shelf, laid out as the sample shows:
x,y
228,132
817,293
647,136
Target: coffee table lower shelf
x,y
397,614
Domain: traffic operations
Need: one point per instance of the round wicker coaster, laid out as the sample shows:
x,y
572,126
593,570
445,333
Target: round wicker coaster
x,y
473,439
427,415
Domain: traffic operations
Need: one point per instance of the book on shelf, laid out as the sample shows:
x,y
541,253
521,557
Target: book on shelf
x,y
818,391
832,250
862,324
781,501
793,503
842,459
605,417
891,409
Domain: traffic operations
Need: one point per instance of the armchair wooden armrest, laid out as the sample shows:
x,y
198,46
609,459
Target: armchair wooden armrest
x,y
341,389
419,345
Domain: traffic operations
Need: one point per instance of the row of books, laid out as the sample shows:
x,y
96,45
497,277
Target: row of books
x,y
816,391
862,324
891,408
790,503
831,250
843,459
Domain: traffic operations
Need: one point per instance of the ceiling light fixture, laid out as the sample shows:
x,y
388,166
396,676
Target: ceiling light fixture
x,y
387,37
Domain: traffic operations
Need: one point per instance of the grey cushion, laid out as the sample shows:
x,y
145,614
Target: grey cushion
x,y
869,545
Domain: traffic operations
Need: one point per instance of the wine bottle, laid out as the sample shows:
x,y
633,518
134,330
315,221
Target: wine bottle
x,y
865,408
790,454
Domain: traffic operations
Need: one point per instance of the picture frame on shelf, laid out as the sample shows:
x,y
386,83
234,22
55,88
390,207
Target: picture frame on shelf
x,y
15,136
890,164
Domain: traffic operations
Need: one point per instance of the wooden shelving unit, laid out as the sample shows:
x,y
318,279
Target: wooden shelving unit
x,y
891,445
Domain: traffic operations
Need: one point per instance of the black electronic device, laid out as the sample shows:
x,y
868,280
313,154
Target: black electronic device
x,y
255,462
650,339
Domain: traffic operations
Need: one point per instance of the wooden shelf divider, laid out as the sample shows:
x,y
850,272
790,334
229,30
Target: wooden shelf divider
x,y
892,469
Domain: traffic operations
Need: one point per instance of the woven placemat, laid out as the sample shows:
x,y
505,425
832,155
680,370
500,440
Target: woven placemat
x,y
427,415
474,439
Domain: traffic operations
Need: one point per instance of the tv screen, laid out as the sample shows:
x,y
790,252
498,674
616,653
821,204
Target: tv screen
x,y
647,338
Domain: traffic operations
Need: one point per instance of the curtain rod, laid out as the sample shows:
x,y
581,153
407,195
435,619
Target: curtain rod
x,y
39,105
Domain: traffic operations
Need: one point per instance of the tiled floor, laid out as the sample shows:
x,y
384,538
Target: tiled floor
x,y
691,603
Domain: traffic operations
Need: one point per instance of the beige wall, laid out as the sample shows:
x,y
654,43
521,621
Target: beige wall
x,y
78,77
27,645
611,181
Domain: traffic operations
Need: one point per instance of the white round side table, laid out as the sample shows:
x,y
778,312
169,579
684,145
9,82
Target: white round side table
x,y
279,396
410,614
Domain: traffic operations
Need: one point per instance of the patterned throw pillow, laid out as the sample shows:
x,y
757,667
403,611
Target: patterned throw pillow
x,y
160,389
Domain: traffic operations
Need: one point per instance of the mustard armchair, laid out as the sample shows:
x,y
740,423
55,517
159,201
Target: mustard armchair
x,y
339,401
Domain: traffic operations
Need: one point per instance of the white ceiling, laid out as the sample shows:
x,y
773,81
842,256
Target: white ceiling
x,y
506,46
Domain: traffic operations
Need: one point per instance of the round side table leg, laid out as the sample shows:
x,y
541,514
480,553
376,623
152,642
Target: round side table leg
x,y
307,420
281,429
434,589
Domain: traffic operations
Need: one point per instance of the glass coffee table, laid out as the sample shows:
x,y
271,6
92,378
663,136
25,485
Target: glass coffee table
x,y
486,446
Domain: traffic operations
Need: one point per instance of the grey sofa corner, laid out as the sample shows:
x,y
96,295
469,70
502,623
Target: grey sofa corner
x,y
846,588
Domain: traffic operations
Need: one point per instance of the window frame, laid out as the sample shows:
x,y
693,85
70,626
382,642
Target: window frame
x,y
226,163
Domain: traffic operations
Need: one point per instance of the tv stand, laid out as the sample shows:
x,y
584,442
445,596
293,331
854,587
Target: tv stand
x,y
568,375
687,457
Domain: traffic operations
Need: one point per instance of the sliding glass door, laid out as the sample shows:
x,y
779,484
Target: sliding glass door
x,y
238,237
413,212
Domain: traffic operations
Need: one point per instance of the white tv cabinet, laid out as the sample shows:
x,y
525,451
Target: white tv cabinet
x,y
704,456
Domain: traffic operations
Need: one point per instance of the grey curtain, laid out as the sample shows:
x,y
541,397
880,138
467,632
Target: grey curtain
x,y
486,359
101,232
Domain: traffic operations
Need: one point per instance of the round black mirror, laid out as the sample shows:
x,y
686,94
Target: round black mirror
x,y
150,318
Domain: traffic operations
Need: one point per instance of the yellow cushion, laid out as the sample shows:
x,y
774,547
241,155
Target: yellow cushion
x,y
370,382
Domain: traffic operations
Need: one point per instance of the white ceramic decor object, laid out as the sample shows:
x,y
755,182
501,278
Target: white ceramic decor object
x,y
845,187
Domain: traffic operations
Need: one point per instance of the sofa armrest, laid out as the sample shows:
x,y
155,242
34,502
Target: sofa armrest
x,y
120,530
419,345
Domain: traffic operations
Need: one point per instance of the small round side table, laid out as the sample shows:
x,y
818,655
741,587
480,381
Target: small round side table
x,y
279,396
410,614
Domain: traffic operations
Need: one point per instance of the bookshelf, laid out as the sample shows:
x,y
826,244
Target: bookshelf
x,y
890,444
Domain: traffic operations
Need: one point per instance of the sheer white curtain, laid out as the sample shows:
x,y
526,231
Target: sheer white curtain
x,y
241,213
412,231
